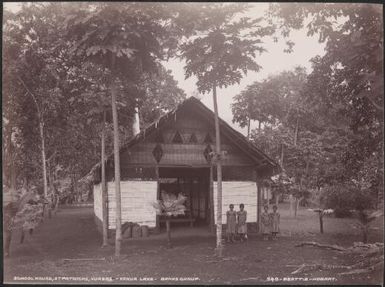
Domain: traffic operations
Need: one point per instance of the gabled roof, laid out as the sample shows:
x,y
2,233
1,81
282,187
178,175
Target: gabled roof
x,y
261,160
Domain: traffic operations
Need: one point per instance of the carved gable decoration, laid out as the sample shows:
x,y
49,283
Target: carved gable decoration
x,y
177,138
193,139
157,153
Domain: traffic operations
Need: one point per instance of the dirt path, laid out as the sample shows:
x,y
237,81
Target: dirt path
x,y
72,234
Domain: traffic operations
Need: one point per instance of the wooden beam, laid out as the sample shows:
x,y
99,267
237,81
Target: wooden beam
x,y
259,205
157,196
211,191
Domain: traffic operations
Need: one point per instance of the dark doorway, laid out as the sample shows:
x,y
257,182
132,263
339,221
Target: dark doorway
x,y
194,184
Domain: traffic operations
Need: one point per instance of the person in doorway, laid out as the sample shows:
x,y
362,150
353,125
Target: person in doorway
x,y
275,217
231,216
265,223
242,226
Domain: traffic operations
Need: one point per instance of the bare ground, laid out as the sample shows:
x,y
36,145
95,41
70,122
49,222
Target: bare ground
x,y
66,249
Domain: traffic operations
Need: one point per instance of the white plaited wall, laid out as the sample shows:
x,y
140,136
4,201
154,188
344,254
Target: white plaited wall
x,y
137,199
98,201
237,192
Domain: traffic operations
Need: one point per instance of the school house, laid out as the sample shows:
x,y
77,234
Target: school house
x,y
173,155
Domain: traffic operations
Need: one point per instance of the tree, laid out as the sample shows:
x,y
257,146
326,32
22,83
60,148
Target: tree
x,y
221,51
128,39
348,79
348,48
276,100
162,94
33,71
254,104
71,95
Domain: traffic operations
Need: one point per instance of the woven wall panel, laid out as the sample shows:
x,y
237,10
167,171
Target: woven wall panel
x,y
136,199
98,211
237,192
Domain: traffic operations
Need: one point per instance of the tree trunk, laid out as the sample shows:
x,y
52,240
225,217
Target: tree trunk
x,y
297,201
365,230
104,187
41,129
118,234
276,198
13,170
259,126
211,190
168,228
7,243
248,128
219,247
41,132
296,132
50,202
321,222
282,154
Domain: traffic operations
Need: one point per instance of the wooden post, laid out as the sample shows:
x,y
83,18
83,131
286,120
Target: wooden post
x,y
157,228
211,191
191,199
199,200
259,205
104,186
207,196
168,228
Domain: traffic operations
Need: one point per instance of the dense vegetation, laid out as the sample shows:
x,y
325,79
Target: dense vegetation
x,y
325,127
75,71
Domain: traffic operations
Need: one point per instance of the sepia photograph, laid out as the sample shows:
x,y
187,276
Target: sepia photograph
x,y
193,143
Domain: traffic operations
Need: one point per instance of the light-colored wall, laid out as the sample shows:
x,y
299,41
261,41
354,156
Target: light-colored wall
x,y
237,192
98,201
138,196
136,199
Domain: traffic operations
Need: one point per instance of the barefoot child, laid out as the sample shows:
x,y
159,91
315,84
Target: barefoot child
x,y
274,222
242,226
265,223
231,223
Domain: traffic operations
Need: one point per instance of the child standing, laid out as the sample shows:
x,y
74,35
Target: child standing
x,y
242,226
274,222
265,223
231,223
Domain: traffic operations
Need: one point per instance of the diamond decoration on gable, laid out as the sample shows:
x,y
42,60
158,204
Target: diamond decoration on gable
x,y
193,138
157,153
177,138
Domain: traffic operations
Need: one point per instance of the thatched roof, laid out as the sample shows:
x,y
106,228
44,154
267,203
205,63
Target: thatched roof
x,y
261,160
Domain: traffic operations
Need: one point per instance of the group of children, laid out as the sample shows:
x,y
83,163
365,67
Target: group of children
x,y
236,223
270,223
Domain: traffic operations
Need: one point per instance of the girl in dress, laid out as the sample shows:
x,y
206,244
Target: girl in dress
x,y
274,222
231,216
265,223
242,226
